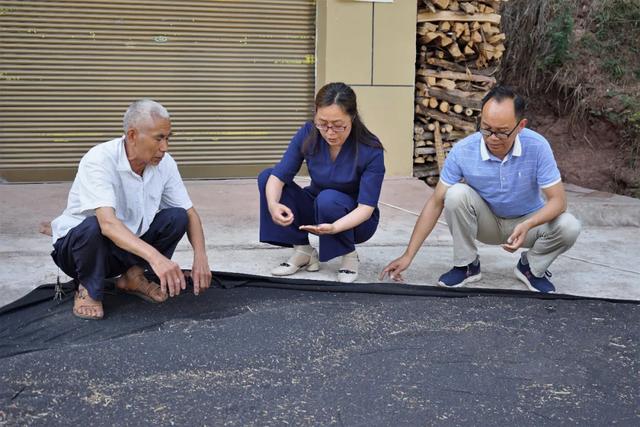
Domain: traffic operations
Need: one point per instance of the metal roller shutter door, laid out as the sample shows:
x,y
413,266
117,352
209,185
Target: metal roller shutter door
x,y
236,76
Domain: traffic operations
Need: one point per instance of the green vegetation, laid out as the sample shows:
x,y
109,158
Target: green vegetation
x,y
614,16
560,35
631,119
617,29
616,26
585,56
614,67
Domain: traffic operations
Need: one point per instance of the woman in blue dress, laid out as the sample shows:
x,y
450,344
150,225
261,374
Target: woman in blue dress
x,y
346,165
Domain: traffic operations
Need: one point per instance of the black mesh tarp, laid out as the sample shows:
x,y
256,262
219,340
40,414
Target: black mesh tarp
x,y
259,351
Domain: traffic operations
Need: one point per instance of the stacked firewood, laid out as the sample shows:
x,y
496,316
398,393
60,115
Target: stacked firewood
x,y
458,51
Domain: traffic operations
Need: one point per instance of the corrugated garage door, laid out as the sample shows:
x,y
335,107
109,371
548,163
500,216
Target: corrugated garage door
x,y
237,77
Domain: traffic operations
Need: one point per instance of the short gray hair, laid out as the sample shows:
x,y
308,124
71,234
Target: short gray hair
x,y
141,110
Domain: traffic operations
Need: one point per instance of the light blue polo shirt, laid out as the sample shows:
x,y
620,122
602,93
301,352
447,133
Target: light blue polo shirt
x,y
512,186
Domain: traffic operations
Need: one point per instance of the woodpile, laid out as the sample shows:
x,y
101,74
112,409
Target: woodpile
x,y
459,46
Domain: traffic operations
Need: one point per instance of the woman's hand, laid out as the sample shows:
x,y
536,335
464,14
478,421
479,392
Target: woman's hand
x,y
281,214
319,229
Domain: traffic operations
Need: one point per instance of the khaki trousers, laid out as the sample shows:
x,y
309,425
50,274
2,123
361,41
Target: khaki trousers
x,y
470,219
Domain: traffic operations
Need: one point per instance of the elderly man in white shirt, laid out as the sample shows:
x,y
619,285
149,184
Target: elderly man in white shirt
x,y
126,212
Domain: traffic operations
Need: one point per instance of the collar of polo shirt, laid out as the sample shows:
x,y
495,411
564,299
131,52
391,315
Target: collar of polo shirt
x,y
515,151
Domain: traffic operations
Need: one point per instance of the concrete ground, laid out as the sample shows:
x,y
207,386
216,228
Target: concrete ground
x,y
605,261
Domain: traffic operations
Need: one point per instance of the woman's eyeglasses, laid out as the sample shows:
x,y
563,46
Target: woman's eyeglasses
x,y
326,128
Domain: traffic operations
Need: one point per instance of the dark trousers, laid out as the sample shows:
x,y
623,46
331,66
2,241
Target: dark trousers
x,y
327,207
89,257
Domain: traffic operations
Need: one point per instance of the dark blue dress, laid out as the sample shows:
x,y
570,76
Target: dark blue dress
x,y
337,187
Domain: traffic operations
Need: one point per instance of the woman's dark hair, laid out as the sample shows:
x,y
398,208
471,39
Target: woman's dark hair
x,y
343,96
500,93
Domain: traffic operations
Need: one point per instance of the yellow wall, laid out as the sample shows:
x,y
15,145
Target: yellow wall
x,y
371,46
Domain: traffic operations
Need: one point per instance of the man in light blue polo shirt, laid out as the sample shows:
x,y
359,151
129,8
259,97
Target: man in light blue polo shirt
x,y
491,190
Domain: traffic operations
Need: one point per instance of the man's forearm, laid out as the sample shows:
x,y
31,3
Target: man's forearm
x,y
550,211
122,237
195,233
424,225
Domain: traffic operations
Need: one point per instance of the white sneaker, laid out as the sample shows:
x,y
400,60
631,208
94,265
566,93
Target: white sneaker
x,y
301,258
348,271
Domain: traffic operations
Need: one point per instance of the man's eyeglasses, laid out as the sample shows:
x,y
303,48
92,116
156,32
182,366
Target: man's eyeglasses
x,y
500,135
325,128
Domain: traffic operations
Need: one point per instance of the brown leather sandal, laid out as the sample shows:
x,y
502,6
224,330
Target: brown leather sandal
x,y
138,285
82,300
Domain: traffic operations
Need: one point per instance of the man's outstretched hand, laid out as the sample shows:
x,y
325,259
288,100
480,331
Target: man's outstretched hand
x,y
395,269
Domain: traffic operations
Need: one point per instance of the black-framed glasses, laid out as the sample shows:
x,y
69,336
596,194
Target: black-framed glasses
x,y
326,128
500,135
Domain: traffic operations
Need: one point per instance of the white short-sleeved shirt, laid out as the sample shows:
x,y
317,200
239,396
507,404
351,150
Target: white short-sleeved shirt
x,y
105,179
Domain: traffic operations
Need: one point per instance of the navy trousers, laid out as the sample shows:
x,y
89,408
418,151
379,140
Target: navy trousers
x,y
327,207
89,257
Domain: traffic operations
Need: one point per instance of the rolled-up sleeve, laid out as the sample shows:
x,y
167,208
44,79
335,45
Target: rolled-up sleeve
x,y
292,158
371,180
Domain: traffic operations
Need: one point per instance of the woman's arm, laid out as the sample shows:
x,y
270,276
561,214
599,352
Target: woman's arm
x,y
368,195
351,220
280,213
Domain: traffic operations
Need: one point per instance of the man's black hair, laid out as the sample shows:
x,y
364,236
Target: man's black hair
x,y
500,93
